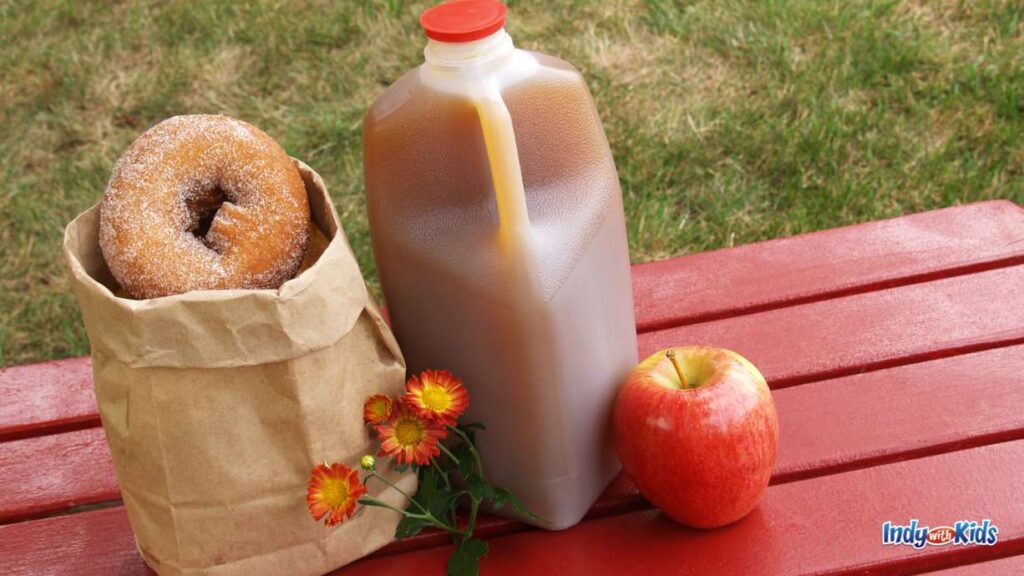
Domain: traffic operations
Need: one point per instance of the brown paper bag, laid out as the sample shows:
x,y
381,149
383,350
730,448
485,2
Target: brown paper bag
x,y
217,405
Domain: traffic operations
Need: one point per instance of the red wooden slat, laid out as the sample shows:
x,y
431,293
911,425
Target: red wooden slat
x,y
926,408
900,413
57,396
48,397
823,525
96,542
48,474
829,263
868,331
1012,566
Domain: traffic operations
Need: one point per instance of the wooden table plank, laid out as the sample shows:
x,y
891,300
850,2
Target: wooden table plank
x,y
66,545
823,525
868,331
930,407
900,413
57,396
49,474
46,398
829,263
1012,566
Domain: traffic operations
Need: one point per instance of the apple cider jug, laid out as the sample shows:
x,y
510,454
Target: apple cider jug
x,y
500,241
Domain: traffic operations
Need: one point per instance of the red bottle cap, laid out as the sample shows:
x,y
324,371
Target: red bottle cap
x,y
463,20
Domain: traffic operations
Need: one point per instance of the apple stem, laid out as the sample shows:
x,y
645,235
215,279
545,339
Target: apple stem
x,y
679,369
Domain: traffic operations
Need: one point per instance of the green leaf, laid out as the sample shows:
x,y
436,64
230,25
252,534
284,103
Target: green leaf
x,y
433,493
466,461
445,502
503,495
442,504
479,488
427,489
409,527
463,562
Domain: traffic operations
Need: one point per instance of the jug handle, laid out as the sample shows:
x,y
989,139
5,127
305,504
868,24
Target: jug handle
x,y
506,173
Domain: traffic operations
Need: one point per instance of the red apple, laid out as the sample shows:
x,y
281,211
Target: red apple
x,y
696,430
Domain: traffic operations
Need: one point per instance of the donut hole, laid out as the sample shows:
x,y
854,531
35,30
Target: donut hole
x,y
202,209
204,219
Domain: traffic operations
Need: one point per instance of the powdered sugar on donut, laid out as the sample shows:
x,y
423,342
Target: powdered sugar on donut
x,y
184,169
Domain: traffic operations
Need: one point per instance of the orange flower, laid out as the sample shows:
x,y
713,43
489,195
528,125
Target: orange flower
x,y
377,409
437,395
333,491
409,437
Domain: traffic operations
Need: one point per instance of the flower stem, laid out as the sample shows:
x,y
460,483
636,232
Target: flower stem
x,y
448,452
396,489
453,512
472,448
426,516
474,503
474,507
383,504
444,476
444,525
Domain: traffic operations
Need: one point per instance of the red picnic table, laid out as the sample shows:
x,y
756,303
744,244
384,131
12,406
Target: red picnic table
x,y
895,351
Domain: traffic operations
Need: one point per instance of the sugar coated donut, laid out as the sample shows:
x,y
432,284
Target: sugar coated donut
x,y
203,202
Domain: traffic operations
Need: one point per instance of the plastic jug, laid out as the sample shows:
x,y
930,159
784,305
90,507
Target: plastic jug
x,y
500,240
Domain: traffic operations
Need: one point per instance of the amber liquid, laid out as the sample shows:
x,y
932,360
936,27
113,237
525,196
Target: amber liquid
x,y
522,289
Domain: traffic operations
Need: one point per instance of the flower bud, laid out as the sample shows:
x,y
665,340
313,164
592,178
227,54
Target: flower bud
x,y
367,462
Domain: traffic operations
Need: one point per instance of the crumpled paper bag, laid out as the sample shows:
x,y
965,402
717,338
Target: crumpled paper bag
x,y
217,405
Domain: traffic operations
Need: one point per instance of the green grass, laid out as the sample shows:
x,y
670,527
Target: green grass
x,y
731,121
